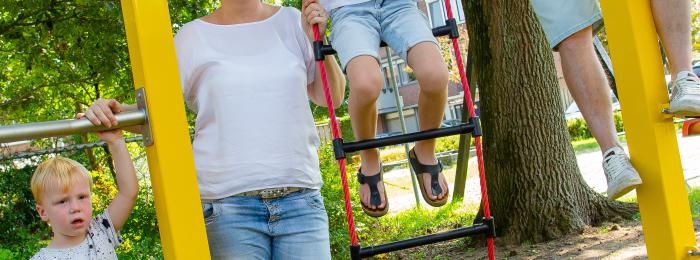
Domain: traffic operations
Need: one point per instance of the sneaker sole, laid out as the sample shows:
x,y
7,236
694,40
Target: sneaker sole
x,y
625,190
685,108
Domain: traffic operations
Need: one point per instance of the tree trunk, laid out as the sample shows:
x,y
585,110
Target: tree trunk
x,y
536,190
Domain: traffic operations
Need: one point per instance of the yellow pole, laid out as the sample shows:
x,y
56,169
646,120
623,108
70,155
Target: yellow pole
x,y
663,201
154,67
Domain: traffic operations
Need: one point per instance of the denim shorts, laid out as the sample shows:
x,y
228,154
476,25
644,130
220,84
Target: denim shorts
x,y
359,28
294,226
562,18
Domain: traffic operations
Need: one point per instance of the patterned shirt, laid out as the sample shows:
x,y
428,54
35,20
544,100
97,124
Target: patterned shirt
x,y
99,243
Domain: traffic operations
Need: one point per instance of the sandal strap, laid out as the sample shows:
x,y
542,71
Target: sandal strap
x,y
375,198
434,170
435,180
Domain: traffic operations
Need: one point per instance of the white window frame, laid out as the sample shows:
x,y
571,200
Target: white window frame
x,y
455,12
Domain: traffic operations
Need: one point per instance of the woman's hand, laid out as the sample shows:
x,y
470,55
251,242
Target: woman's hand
x,y
313,13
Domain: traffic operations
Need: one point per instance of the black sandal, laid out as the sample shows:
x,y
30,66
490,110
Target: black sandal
x,y
434,170
374,199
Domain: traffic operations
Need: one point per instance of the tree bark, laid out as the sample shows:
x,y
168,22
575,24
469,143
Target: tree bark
x,y
536,190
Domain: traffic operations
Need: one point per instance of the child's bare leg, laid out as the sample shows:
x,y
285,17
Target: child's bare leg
x,y
432,75
365,83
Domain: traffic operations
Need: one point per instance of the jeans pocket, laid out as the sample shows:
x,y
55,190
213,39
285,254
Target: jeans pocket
x,y
210,211
315,201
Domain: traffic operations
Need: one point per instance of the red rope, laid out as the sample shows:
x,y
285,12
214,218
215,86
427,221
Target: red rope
x,y
477,140
337,134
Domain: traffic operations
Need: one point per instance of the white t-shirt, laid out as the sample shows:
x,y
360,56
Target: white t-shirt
x,y
248,85
332,4
99,243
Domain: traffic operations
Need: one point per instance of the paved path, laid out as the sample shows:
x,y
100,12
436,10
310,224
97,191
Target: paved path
x,y
401,194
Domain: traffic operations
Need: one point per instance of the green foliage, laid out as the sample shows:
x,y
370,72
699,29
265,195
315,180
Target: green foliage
x,y
449,143
346,129
370,230
578,129
56,57
333,197
140,233
21,230
398,153
694,198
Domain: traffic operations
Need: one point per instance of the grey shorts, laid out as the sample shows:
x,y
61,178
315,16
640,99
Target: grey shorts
x,y
358,29
562,18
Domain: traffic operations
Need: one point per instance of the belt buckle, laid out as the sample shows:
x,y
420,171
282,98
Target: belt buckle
x,y
272,193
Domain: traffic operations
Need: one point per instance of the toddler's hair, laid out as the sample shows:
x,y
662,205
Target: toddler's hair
x,y
59,172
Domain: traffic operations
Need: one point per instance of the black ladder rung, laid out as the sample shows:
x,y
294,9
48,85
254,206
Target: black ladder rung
x,y
471,127
424,240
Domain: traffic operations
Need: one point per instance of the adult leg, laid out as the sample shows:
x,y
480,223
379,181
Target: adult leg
x,y
672,20
673,26
299,225
590,89
432,75
365,84
237,228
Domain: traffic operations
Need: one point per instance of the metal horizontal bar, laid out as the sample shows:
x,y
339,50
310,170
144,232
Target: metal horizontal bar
x,y
30,131
410,137
424,240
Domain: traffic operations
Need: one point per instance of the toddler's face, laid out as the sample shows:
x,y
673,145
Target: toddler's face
x,y
68,212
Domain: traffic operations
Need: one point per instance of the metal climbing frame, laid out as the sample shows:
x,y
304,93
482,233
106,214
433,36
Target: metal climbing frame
x,y
171,164
472,126
663,201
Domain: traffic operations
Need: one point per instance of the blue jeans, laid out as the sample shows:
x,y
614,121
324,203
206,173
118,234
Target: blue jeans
x,y
358,29
291,227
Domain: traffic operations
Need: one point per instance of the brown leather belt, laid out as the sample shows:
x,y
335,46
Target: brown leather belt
x,y
270,193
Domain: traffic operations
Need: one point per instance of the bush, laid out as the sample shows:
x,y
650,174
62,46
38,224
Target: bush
x,y
578,129
22,233
332,192
448,143
346,129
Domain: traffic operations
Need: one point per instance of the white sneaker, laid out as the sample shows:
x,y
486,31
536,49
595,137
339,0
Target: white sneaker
x,y
621,176
685,96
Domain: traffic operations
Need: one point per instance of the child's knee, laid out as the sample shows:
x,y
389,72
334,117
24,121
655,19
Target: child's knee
x,y
433,79
366,85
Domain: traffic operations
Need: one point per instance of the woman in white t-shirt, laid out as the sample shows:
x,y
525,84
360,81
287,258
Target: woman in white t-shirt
x,y
248,71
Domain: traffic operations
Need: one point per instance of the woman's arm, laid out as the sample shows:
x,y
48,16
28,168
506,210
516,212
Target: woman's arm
x,y
314,14
336,83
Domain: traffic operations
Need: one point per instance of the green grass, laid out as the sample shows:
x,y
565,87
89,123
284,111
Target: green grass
x,y
694,199
590,144
411,223
586,145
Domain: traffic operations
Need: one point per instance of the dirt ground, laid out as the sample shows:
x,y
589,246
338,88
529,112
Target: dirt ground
x,y
611,241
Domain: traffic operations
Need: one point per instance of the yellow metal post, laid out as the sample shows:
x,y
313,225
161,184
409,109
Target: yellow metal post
x,y
663,201
154,67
